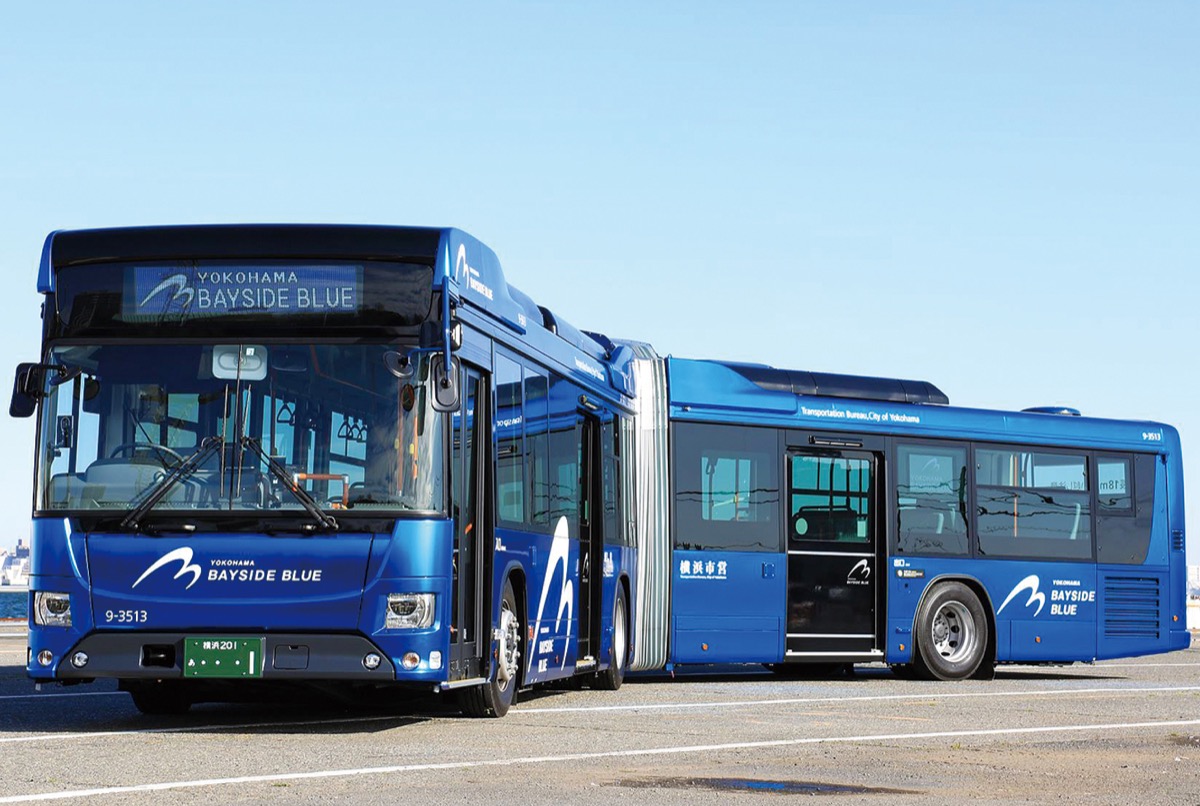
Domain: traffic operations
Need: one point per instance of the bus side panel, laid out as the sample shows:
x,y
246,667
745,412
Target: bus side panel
x,y
728,607
1043,611
551,621
1048,609
618,564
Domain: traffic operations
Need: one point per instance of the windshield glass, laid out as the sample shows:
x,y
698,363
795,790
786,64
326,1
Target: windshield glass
x,y
351,424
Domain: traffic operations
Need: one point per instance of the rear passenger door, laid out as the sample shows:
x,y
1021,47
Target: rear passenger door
x,y
833,503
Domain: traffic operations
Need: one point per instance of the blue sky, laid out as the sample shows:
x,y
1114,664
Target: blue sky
x,y
998,198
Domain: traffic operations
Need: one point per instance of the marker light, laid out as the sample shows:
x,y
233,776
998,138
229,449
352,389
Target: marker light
x,y
411,660
52,609
435,659
409,611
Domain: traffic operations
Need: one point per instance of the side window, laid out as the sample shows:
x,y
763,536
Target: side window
x,y
510,442
537,445
931,483
1113,484
610,442
1033,504
830,498
726,488
564,454
1124,507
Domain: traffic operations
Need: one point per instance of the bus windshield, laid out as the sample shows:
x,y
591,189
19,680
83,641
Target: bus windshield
x,y
351,424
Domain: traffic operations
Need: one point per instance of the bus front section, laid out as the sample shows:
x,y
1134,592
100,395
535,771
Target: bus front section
x,y
241,469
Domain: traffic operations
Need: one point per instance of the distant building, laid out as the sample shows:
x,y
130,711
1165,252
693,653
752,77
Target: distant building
x,y
14,568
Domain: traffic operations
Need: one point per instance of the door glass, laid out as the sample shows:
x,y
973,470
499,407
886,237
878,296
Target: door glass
x,y
830,499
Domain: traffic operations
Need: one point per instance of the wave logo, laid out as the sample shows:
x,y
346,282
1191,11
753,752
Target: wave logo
x,y
1031,584
560,549
183,556
860,574
176,292
467,275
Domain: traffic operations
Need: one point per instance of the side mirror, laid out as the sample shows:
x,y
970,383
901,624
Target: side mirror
x,y
445,388
27,388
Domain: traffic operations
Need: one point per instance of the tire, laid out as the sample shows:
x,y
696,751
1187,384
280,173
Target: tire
x,y
162,698
951,634
611,678
494,698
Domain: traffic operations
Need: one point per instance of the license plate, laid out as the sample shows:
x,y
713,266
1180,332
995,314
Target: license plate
x,y
222,657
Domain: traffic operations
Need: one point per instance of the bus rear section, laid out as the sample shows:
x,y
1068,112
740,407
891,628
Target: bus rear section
x,y
816,521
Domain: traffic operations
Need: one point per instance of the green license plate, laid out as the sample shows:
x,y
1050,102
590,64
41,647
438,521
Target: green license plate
x,y
222,657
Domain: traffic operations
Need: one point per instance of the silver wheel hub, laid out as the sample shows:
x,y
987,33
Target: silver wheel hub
x,y
509,647
954,632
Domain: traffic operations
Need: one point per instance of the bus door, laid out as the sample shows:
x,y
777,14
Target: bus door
x,y
834,529
591,539
468,460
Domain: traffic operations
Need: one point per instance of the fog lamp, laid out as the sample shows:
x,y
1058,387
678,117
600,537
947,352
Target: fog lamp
x,y
371,661
79,660
45,657
410,661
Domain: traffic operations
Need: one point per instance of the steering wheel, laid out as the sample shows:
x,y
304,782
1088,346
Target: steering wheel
x,y
162,451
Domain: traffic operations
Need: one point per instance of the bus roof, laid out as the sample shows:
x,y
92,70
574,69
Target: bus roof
x,y
714,391
462,263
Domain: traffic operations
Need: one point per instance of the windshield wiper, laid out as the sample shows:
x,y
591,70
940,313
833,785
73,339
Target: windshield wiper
x,y
183,470
280,473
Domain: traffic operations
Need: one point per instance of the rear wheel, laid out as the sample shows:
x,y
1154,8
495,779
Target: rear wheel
x,y
160,698
951,634
495,697
612,677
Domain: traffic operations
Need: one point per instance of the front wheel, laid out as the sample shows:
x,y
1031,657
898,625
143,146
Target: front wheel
x,y
495,697
612,677
951,634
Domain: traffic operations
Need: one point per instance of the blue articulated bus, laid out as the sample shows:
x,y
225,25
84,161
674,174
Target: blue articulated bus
x,y
293,455
802,518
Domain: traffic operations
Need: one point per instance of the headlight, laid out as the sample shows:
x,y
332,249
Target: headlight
x,y
409,611
52,609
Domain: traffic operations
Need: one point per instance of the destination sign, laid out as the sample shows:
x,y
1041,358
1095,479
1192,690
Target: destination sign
x,y
195,292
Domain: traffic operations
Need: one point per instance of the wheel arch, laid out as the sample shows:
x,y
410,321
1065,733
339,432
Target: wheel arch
x,y
985,600
514,574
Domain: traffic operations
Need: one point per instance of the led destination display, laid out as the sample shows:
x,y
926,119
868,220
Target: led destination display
x,y
152,292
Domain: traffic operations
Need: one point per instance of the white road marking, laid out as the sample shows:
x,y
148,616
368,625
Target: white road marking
x,y
653,751
864,698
